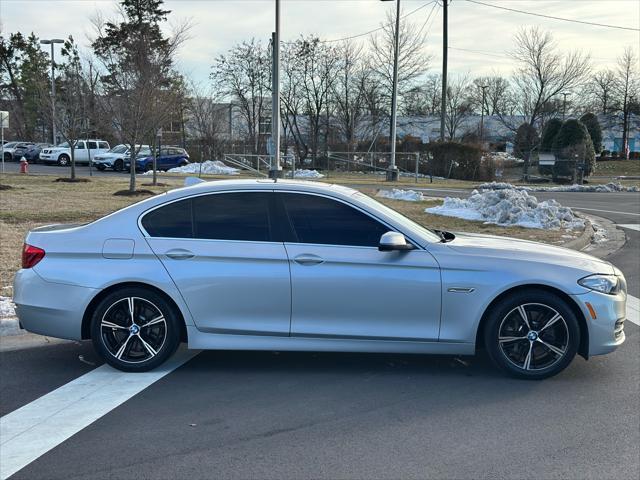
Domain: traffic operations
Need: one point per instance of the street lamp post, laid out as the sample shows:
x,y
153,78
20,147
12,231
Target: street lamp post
x,y
52,42
564,105
484,89
392,173
276,169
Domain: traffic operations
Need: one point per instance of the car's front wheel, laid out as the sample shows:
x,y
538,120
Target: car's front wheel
x,y
63,160
118,165
135,329
532,334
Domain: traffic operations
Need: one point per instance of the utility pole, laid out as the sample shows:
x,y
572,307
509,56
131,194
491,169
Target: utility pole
x,y
484,89
564,105
52,42
276,169
445,51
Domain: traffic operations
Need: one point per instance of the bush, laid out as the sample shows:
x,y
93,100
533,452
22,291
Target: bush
x,y
465,162
593,127
549,134
573,144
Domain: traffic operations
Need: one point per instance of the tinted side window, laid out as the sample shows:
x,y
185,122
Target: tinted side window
x,y
92,145
173,220
103,145
233,216
80,146
324,221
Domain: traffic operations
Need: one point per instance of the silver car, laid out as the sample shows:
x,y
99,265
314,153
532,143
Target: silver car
x,y
288,265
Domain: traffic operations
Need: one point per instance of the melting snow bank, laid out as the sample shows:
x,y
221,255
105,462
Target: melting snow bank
x,y
509,207
399,194
606,188
209,167
7,308
305,174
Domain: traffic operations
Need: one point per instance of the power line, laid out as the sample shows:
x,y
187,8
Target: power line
x,y
554,18
376,29
491,54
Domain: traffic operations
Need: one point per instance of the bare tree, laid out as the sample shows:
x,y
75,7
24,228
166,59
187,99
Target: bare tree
x,y
627,88
498,98
458,105
543,72
136,67
244,75
413,61
348,90
600,91
209,119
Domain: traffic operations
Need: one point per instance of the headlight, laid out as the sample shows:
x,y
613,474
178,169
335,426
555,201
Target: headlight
x,y
609,284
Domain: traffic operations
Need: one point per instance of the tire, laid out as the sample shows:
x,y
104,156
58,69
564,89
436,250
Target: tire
x,y
100,167
118,165
538,348
64,160
129,346
148,167
8,157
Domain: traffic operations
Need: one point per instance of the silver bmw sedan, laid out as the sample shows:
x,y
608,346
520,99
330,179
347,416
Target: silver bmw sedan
x,y
289,265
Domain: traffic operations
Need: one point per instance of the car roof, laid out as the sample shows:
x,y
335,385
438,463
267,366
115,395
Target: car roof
x,y
263,183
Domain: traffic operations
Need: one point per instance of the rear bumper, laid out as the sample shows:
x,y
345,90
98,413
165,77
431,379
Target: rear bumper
x,y
47,308
606,331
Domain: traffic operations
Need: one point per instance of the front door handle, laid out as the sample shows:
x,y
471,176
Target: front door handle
x,y
179,254
308,259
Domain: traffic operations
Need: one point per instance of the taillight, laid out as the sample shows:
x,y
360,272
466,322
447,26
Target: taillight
x,y
31,255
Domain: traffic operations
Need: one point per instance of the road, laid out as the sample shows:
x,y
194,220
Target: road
x,y
297,415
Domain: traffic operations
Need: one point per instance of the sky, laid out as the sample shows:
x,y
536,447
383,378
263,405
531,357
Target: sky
x,y
218,24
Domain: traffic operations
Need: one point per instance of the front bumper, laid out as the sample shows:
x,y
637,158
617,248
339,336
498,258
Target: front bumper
x,y
606,331
48,157
48,308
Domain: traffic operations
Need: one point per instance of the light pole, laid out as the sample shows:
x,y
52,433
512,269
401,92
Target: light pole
x,y
484,89
276,169
392,173
52,42
564,105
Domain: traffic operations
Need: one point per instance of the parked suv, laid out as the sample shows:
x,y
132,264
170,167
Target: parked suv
x,y
84,152
168,157
118,157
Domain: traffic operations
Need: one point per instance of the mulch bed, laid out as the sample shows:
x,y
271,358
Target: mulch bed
x,y
137,193
5,187
72,180
159,184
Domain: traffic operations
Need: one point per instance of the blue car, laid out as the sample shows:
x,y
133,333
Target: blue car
x,y
169,157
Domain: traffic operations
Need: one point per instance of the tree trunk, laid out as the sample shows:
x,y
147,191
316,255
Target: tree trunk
x,y
132,167
73,161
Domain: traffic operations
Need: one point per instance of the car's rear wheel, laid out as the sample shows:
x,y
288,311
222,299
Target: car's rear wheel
x,y
118,165
135,329
532,334
7,157
63,160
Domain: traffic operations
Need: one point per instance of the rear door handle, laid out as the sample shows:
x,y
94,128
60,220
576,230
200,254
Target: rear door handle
x,y
179,254
308,259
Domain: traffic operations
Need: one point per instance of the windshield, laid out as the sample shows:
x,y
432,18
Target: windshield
x,y
119,149
396,216
10,145
64,145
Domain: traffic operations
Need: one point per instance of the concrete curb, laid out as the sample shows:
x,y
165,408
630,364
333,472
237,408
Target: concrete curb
x,y
615,236
584,239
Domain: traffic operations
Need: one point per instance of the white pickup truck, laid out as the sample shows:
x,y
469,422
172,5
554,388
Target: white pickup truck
x,y
84,152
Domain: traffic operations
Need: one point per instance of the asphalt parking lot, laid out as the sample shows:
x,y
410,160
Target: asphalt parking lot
x,y
329,415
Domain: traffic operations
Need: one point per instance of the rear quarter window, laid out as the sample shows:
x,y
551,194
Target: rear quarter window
x,y
174,220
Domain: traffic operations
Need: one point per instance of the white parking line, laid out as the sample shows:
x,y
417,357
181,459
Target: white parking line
x,y
630,226
605,211
34,429
633,309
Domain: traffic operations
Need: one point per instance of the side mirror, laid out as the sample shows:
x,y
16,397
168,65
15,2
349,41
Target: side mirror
x,y
393,241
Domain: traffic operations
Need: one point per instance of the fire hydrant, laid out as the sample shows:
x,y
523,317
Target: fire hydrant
x,y
24,165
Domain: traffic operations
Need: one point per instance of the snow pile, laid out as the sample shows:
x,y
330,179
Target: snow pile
x,y
399,194
305,174
606,188
7,308
209,167
509,207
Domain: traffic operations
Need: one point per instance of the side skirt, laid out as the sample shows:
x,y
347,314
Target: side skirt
x,y
214,341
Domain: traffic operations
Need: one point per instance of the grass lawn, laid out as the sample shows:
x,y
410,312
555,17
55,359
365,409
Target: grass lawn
x,y
615,168
36,200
